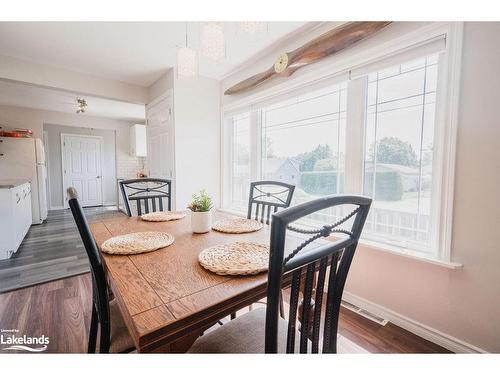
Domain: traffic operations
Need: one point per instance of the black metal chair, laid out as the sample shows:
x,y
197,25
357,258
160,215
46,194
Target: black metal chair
x,y
266,197
147,193
263,330
114,337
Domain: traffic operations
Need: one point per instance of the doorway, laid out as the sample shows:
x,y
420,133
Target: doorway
x,y
81,157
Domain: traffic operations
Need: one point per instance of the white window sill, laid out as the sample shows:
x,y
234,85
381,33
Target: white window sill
x,y
391,249
395,250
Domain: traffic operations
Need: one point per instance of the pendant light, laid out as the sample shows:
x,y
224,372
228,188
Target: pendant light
x,y
187,61
253,27
213,44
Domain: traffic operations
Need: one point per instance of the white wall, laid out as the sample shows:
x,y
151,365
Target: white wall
x,y
44,75
462,304
35,119
161,85
196,134
197,138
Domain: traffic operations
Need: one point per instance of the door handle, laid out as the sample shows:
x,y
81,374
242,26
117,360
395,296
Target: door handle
x,y
98,176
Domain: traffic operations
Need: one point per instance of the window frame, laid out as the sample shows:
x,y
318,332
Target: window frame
x,y
445,129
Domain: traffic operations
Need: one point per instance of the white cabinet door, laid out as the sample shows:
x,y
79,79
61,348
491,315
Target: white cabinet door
x,y
160,138
166,163
17,205
82,168
154,156
27,217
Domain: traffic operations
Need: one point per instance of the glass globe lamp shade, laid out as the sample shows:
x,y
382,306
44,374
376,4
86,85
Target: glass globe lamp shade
x,y
187,62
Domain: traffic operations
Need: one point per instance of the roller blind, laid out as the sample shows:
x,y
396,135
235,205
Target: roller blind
x,y
284,94
426,48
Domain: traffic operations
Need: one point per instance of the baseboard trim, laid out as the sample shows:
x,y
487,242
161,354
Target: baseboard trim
x,y
52,208
433,335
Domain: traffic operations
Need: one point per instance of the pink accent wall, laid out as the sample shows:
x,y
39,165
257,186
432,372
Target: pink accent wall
x,y
463,303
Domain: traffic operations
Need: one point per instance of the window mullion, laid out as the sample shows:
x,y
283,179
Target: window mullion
x,y
255,144
228,136
355,124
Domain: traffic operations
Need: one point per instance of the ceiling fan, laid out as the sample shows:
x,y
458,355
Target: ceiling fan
x,y
325,45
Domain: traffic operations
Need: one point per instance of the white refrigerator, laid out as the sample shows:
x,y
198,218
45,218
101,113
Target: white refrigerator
x,y
24,158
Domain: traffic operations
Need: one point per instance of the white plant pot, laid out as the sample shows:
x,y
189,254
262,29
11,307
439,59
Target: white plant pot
x,y
201,222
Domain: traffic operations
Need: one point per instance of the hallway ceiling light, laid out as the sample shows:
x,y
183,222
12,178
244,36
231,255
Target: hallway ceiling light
x,y
82,105
213,44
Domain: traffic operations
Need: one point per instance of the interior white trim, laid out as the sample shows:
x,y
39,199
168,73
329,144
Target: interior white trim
x,y
437,337
159,98
454,68
47,165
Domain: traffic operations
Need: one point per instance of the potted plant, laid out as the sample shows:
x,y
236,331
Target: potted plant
x,y
201,214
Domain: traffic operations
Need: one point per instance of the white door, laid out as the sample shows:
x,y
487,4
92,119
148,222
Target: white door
x,y
160,138
82,168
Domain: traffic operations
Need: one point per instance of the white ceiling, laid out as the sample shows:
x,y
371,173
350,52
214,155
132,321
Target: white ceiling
x,y
133,52
22,95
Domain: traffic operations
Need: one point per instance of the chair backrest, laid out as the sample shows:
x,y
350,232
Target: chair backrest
x,y
148,194
309,269
100,290
266,197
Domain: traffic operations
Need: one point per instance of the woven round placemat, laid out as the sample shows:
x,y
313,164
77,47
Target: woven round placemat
x,y
136,243
163,216
237,258
237,225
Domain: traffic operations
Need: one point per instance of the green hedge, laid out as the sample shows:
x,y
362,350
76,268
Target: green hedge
x,y
319,182
388,185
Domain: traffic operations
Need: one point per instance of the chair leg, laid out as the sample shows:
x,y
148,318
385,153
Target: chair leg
x,y
105,337
282,306
92,331
233,316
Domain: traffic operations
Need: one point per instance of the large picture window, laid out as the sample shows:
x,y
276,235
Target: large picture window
x,y
303,142
398,154
374,130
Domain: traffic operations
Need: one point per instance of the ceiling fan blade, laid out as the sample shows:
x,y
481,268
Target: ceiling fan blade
x,y
325,45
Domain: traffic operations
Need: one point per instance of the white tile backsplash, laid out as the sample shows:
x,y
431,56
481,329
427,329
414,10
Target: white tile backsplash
x,y
128,166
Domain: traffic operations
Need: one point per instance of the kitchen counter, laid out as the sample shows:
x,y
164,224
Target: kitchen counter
x,y
9,184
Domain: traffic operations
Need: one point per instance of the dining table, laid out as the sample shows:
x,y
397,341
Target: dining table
x,y
166,297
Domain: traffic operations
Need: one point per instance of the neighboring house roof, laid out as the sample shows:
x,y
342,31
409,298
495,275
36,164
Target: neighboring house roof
x,y
273,165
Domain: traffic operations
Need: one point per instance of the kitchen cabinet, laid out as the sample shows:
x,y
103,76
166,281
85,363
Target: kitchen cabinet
x,y
138,144
15,215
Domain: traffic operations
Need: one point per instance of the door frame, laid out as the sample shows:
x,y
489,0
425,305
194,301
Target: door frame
x,y
167,95
64,186
47,167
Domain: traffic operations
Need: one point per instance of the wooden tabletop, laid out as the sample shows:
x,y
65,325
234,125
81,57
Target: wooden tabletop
x,y
165,295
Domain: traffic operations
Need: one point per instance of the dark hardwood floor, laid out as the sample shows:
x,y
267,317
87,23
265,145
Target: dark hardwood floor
x,y
61,310
49,251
